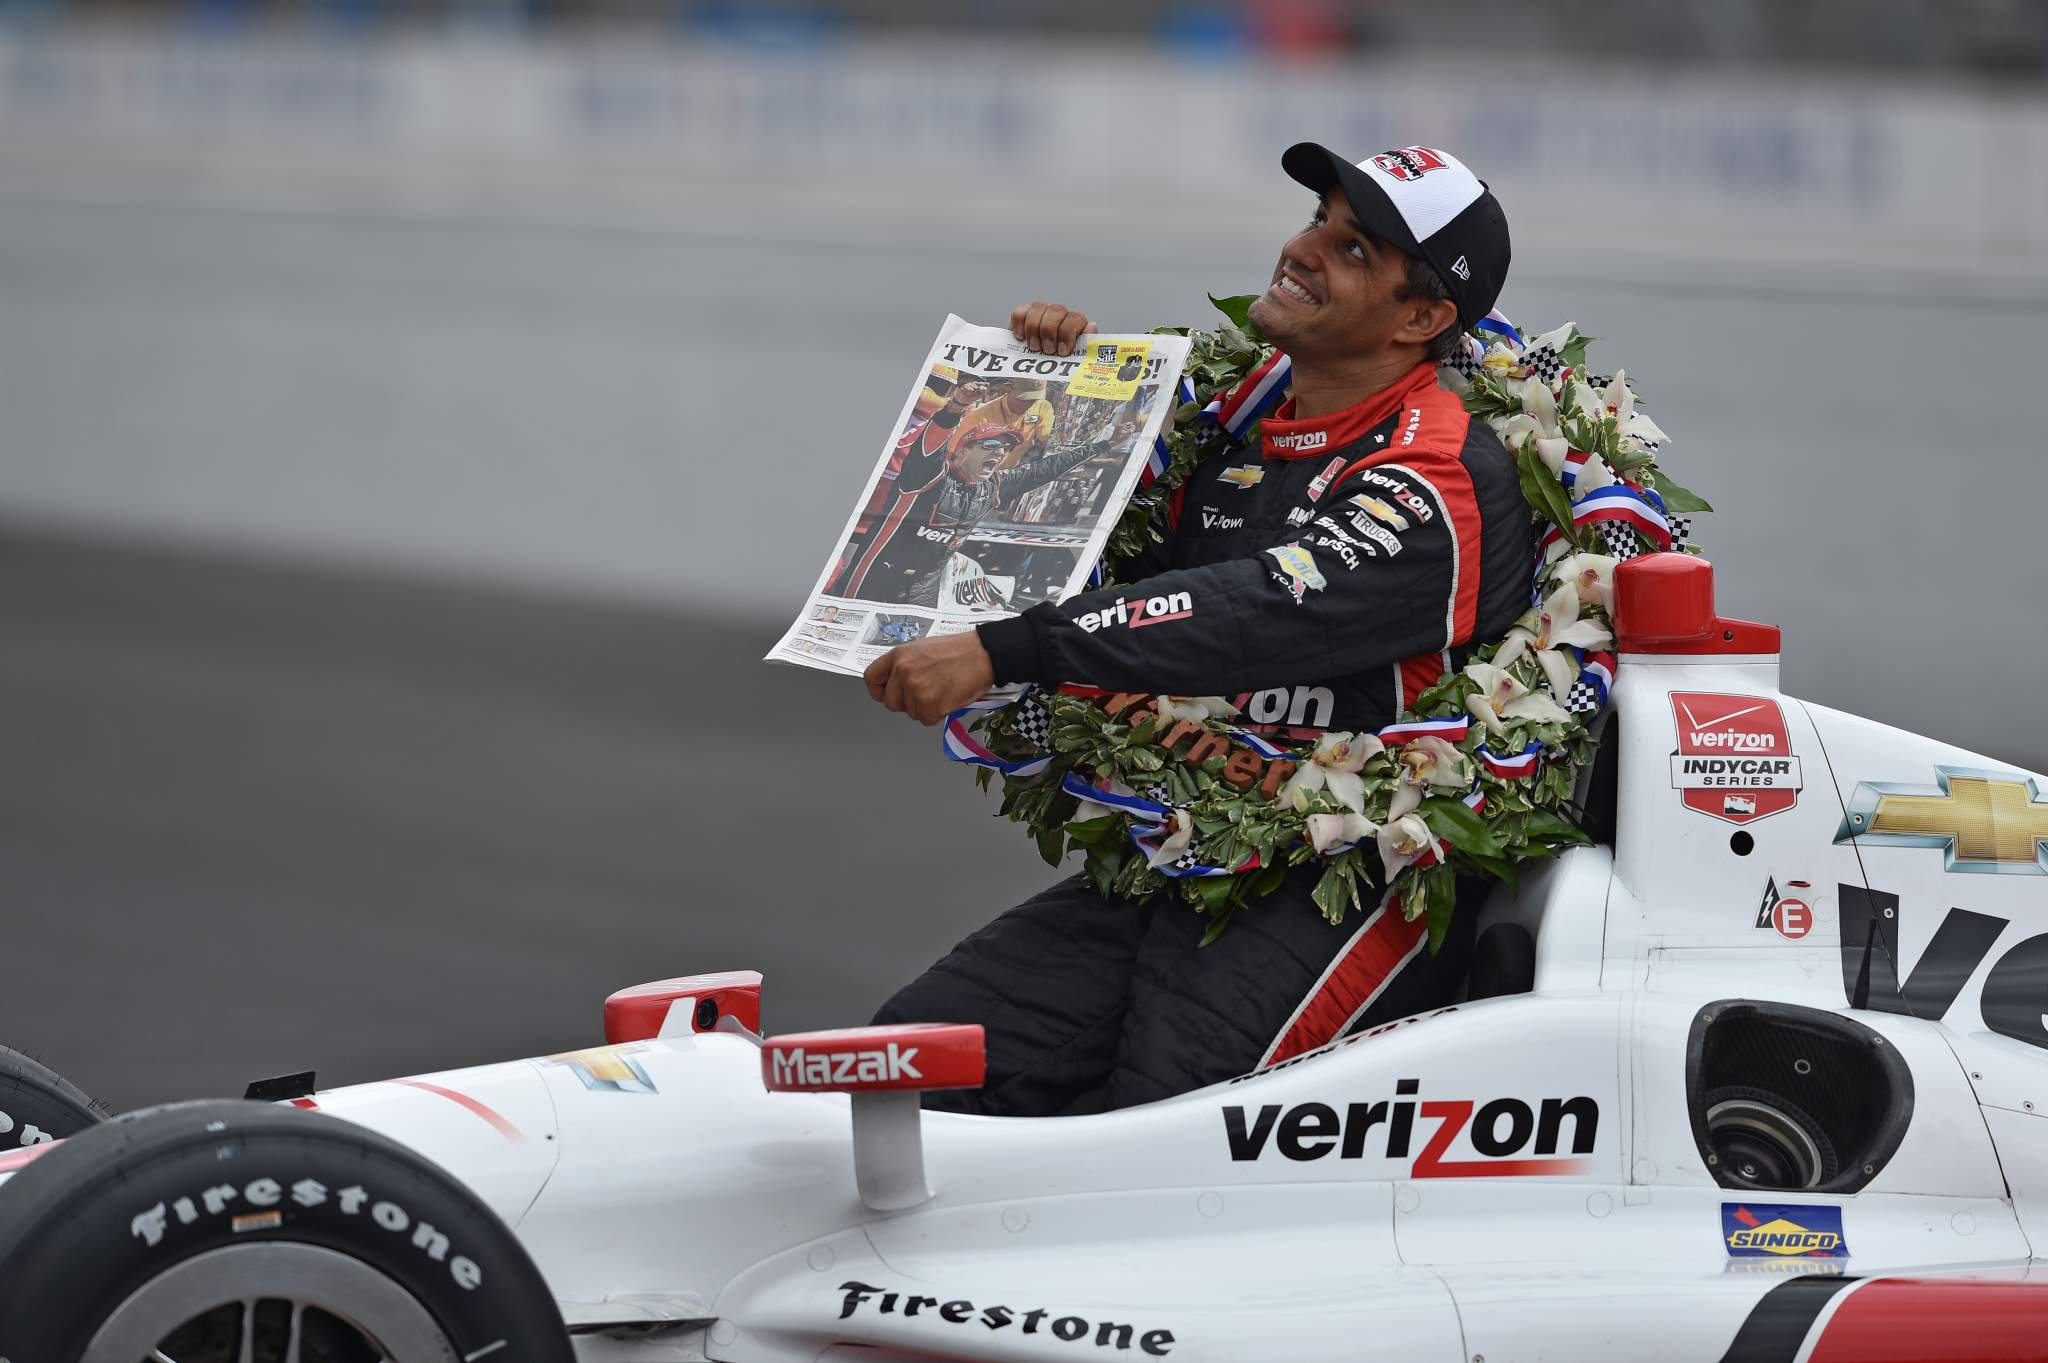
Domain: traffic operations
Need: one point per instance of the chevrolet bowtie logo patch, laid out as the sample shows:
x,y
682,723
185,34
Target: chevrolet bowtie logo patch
x,y
1244,475
1984,820
607,1067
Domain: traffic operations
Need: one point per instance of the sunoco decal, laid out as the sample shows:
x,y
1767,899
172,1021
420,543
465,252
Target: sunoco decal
x,y
1764,1230
1459,1138
1036,1320
1734,758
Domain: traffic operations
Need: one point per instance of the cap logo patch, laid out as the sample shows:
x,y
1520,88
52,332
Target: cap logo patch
x,y
1461,269
1409,163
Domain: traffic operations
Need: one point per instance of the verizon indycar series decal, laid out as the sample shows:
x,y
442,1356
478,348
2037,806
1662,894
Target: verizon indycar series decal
x,y
1734,758
1457,1141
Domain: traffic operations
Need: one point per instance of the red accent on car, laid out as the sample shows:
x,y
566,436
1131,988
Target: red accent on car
x,y
636,1014
16,1159
482,1109
925,1055
1956,1320
1664,603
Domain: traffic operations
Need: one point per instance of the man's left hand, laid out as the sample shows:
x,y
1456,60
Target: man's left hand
x,y
931,678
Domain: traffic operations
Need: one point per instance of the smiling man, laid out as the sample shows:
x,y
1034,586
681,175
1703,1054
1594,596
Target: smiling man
x,y
1329,573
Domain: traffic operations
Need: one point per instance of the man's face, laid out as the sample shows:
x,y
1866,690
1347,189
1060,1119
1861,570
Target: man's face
x,y
1333,293
976,460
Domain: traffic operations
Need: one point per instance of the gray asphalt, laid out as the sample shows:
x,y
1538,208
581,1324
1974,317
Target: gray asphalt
x,y
255,820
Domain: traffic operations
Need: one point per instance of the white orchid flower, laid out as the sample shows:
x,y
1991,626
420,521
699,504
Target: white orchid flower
x,y
1593,475
1557,340
1194,709
1334,764
1539,405
1176,841
1637,430
1592,576
1638,433
1619,399
1424,762
1557,626
1500,361
1590,401
1404,840
1335,832
1502,697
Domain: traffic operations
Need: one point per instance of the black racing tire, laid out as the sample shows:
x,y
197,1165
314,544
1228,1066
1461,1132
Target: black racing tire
x,y
278,1204
39,1105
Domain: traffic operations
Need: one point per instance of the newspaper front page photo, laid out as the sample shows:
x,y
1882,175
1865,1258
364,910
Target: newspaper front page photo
x,y
996,490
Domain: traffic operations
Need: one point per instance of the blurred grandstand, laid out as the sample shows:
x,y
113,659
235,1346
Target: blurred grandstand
x,y
2005,38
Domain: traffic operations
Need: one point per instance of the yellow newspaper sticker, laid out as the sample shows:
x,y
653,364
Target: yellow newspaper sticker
x,y
1110,369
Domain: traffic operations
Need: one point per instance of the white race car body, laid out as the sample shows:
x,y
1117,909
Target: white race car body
x,y
1521,1177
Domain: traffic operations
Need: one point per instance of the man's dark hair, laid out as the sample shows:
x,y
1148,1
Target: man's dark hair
x,y
1422,281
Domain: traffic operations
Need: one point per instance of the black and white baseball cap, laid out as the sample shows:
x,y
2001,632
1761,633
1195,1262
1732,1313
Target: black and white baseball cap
x,y
1427,203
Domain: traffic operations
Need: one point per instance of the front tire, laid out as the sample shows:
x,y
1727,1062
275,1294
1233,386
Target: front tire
x,y
39,1105
183,1229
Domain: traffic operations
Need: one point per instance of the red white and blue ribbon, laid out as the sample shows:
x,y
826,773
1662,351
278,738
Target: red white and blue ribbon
x,y
1260,745
1597,671
1262,390
1513,767
1451,729
1496,325
1621,503
1161,457
1137,806
960,744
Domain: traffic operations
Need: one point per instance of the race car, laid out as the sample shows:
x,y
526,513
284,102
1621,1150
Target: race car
x,y
1758,1075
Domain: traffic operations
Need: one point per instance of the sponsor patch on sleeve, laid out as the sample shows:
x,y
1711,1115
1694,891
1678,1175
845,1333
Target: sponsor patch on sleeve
x,y
1298,570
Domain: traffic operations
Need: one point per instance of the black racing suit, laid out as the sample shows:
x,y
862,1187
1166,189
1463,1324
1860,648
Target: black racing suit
x,y
1322,581
933,513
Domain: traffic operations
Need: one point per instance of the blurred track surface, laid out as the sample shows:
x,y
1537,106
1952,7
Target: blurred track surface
x,y
256,820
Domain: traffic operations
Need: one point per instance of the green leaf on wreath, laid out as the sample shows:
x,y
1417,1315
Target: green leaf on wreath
x,y
1544,493
1574,352
1677,497
1238,308
1219,919
1459,825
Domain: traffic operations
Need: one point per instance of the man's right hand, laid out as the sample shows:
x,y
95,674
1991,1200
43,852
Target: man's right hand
x,y
1050,328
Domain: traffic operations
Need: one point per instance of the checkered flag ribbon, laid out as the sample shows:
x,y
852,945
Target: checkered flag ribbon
x,y
1466,361
1583,698
1031,721
1619,541
1681,532
1158,794
1544,362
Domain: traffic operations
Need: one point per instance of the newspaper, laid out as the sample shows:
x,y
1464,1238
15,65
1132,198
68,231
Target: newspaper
x,y
996,490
